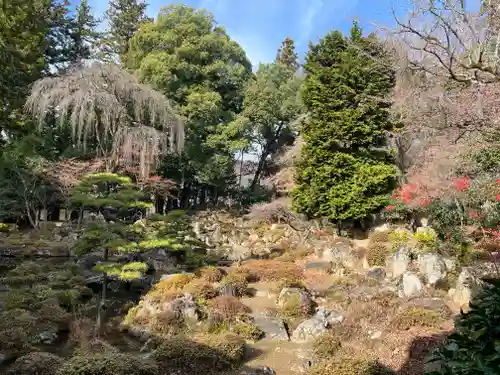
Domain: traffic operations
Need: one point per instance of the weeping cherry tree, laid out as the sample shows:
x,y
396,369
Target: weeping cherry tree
x,y
127,123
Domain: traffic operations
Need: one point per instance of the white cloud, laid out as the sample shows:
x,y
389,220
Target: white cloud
x,y
307,19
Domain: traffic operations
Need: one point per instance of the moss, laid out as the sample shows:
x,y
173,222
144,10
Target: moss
x,y
200,289
376,253
170,288
248,331
294,308
349,366
4,228
109,363
326,345
38,363
204,354
418,317
26,274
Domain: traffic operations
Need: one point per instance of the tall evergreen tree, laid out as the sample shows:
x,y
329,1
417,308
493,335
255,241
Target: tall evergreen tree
x,y
346,169
125,17
286,54
84,33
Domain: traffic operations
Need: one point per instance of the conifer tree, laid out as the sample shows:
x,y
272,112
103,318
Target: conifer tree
x,y
84,33
346,169
286,54
125,17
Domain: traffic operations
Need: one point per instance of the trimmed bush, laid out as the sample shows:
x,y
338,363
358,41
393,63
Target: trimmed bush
x,y
37,363
417,317
227,307
379,236
211,274
109,363
325,346
239,280
205,354
272,270
376,253
248,331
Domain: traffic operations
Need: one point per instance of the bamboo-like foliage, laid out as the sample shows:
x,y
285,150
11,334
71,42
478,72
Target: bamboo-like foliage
x,y
108,107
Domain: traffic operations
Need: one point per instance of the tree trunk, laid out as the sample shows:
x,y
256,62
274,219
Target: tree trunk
x,y
160,204
101,308
203,197
260,168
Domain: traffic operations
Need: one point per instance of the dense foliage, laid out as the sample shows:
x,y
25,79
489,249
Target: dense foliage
x,y
346,171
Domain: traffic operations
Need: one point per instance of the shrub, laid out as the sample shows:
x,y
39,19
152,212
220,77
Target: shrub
x,y
377,253
169,288
476,336
379,236
211,274
349,366
200,289
417,317
426,240
248,331
399,237
273,270
326,345
4,228
238,279
289,283
228,307
37,363
294,308
109,363
205,354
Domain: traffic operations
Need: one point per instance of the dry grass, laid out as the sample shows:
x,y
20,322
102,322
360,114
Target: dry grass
x,y
200,288
349,366
238,278
327,345
293,255
376,253
379,236
228,308
418,317
273,270
168,289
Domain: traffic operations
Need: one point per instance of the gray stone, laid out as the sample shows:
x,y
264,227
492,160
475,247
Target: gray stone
x,y
273,328
466,287
377,273
433,268
342,253
262,370
309,329
409,285
399,262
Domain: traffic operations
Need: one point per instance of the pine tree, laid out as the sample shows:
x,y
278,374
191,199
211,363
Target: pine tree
x,y
125,17
84,33
286,54
346,169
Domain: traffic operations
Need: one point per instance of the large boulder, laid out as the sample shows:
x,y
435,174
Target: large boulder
x,y
468,284
433,268
398,263
274,329
295,295
309,329
343,253
409,285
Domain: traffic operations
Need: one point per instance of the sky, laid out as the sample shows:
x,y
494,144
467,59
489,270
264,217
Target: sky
x,y
259,26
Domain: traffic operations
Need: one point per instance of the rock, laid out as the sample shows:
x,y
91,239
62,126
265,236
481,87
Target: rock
x,y
377,273
433,268
466,287
376,335
342,253
409,285
273,328
309,329
228,290
262,370
159,260
238,253
451,264
288,294
399,262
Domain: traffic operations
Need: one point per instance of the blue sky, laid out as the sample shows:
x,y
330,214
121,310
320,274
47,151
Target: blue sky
x,y
260,25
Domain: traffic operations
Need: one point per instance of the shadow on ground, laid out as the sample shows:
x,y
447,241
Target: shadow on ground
x,y
418,352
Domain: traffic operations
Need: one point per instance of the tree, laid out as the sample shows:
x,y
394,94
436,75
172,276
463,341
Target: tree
x,y
84,34
97,191
286,54
272,105
125,18
195,64
345,171
34,36
107,108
